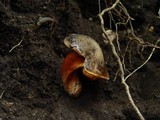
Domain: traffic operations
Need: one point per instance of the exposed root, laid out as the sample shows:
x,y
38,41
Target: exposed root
x,y
143,62
125,20
16,45
1,95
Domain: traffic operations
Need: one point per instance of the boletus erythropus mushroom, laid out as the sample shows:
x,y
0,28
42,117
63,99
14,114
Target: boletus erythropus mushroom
x,y
87,55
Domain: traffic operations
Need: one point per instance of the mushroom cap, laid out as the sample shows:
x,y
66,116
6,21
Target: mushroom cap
x,y
70,78
94,63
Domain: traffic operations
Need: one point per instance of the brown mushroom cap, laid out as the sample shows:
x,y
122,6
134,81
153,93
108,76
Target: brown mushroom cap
x,y
94,64
70,78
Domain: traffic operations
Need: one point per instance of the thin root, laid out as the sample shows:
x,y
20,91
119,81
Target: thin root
x,y
16,45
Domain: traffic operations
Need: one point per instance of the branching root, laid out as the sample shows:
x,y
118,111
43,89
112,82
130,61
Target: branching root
x,y
118,9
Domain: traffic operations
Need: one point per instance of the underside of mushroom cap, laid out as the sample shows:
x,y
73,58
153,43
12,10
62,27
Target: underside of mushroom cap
x,y
69,71
103,75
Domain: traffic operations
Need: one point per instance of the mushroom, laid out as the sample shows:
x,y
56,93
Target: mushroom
x,y
87,55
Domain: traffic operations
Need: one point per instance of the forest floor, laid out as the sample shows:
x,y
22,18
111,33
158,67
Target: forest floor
x,y
30,79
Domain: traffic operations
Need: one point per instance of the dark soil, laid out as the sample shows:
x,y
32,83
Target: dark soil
x,y
30,79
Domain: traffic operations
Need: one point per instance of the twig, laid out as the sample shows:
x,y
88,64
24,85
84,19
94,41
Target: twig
x,y
16,45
